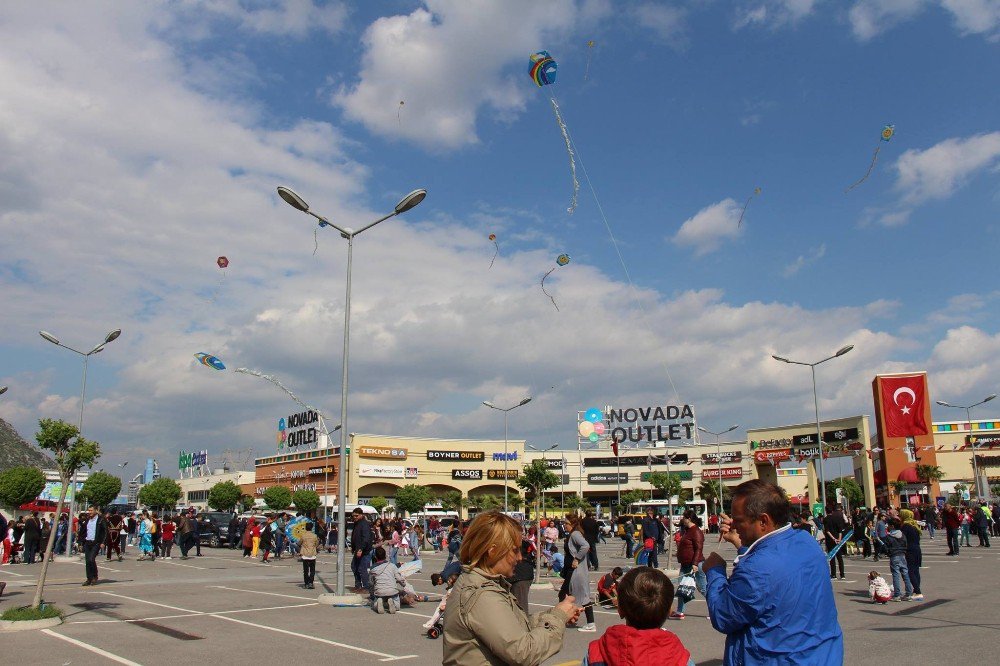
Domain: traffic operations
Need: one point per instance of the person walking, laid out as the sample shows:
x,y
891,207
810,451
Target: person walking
x,y
776,606
115,523
652,529
361,543
952,524
984,521
690,555
145,527
233,532
267,538
590,533
930,519
31,537
184,529
248,538
93,532
167,527
308,547
914,555
576,579
966,526
834,529
483,625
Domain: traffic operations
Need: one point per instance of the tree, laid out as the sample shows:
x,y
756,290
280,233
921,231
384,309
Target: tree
x,y
277,498
378,503
955,498
929,473
306,501
537,478
101,488
849,488
708,490
453,501
630,497
514,501
486,502
71,452
576,503
412,498
246,502
19,485
160,493
224,496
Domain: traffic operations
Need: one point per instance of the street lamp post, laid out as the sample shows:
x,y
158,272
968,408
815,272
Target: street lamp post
x,y
819,434
295,201
968,418
506,411
718,454
110,337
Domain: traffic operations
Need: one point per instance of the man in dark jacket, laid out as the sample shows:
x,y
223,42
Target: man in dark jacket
x,y
361,544
93,533
983,520
930,518
834,529
652,529
896,544
590,530
952,523
31,538
234,531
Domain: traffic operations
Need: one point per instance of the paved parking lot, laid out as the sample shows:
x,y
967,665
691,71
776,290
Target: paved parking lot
x,y
222,607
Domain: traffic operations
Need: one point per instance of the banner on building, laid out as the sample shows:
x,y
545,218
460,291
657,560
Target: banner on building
x,y
467,474
771,455
727,473
903,401
387,471
382,452
727,458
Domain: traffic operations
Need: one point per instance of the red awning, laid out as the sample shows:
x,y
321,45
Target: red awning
x,y
909,475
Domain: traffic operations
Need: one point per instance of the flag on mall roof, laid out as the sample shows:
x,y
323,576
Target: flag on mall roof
x,y
903,402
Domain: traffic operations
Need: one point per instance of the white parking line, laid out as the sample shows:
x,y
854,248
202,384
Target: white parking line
x,y
385,656
7,571
94,649
270,594
193,614
189,566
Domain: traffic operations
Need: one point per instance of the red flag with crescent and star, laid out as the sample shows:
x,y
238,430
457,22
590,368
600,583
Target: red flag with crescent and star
x,y
903,400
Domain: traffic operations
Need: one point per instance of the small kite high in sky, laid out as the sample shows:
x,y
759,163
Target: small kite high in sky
x,y
542,70
493,237
756,191
223,262
398,109
887,133
590,50
561,260
210,361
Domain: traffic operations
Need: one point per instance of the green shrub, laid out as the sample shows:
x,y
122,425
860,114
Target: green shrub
x,y
25,613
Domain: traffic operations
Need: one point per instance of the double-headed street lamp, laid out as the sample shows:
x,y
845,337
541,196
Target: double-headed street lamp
x,y
295,201
819,434
968,417
718,453
110,337
506,411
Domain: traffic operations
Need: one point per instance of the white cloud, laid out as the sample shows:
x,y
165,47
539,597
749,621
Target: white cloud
x,y
870,18
710,227
668,22
936,173
803,260
774,13
750,16
294,18
446,62
975,16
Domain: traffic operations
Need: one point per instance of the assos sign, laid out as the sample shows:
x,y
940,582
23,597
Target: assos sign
x,y
297,430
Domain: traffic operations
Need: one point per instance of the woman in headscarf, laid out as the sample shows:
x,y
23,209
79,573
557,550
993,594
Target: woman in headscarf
x,y
914,556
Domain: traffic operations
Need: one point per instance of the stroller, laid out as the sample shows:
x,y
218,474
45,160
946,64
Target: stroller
x,y
642,556
438,628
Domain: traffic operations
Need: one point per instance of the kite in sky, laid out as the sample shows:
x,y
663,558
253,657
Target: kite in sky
x,y
887,133
542,70
210,361
756,191
493,237
398,109
222,263
590,50
561,260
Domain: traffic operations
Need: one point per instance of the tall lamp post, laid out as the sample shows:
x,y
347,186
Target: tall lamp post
x,y
506,411
295,201
718,454
819,435
968,417
110,337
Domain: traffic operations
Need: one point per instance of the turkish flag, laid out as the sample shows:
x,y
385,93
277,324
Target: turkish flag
x,y
903,400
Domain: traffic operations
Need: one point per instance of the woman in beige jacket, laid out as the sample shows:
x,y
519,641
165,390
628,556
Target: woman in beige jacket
x,y
483,624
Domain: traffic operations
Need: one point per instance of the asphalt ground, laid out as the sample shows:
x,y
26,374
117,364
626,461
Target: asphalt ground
x,y
221,607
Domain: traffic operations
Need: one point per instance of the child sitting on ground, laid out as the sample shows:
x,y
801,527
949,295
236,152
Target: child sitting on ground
x,y
607,588
878,589
444,602
644,598
386,582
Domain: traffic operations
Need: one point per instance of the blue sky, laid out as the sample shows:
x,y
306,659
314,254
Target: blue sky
x,y
142,142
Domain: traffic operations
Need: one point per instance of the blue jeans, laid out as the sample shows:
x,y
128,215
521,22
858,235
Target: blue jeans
x,y
394,555
900,575
965,535
930,528
700,582
359,567
629,546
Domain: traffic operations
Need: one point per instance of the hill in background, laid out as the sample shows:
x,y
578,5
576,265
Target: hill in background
x,y
15,451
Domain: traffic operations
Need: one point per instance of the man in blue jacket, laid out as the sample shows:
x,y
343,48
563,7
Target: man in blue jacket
x,y
777,606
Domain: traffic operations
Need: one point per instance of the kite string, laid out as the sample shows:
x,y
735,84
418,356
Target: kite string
x,y
614,242
870,167
274,380
569,150
495,254
547,293
744,211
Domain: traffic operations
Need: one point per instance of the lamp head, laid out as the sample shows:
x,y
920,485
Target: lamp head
x,y
411,200
3,389
704,430
112,336
844,350
48,336
733,427
489,404
293,199
779,358
97,350
990,397
943,403
525,401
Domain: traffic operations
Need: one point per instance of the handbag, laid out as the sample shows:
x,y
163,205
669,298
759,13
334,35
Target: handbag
x,y
686,588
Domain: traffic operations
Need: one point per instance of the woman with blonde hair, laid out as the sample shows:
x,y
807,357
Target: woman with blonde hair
x,y
483,624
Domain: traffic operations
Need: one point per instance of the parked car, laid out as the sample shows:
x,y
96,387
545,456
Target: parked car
x,y
213,528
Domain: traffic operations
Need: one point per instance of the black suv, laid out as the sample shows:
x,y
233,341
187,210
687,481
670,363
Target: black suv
x,y
213,528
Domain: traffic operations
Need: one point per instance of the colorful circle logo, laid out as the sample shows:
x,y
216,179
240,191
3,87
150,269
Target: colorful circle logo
x,y
281,433
592,426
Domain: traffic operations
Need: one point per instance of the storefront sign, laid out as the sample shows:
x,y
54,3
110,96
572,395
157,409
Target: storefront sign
x,y
771,455
988,461
727,473
467,474
193,459
500,457
382,452
554,463
979,441
804,440
649,423
297,474
727,457
607,478
842,435
456,455
387,471
297,430
683,475
782,443
303,486
636,461
320,470
499,473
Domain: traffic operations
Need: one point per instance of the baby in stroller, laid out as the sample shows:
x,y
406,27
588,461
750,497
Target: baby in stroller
x,y
435,625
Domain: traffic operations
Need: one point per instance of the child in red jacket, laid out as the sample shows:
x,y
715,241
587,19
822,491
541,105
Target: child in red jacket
x,y
644,598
